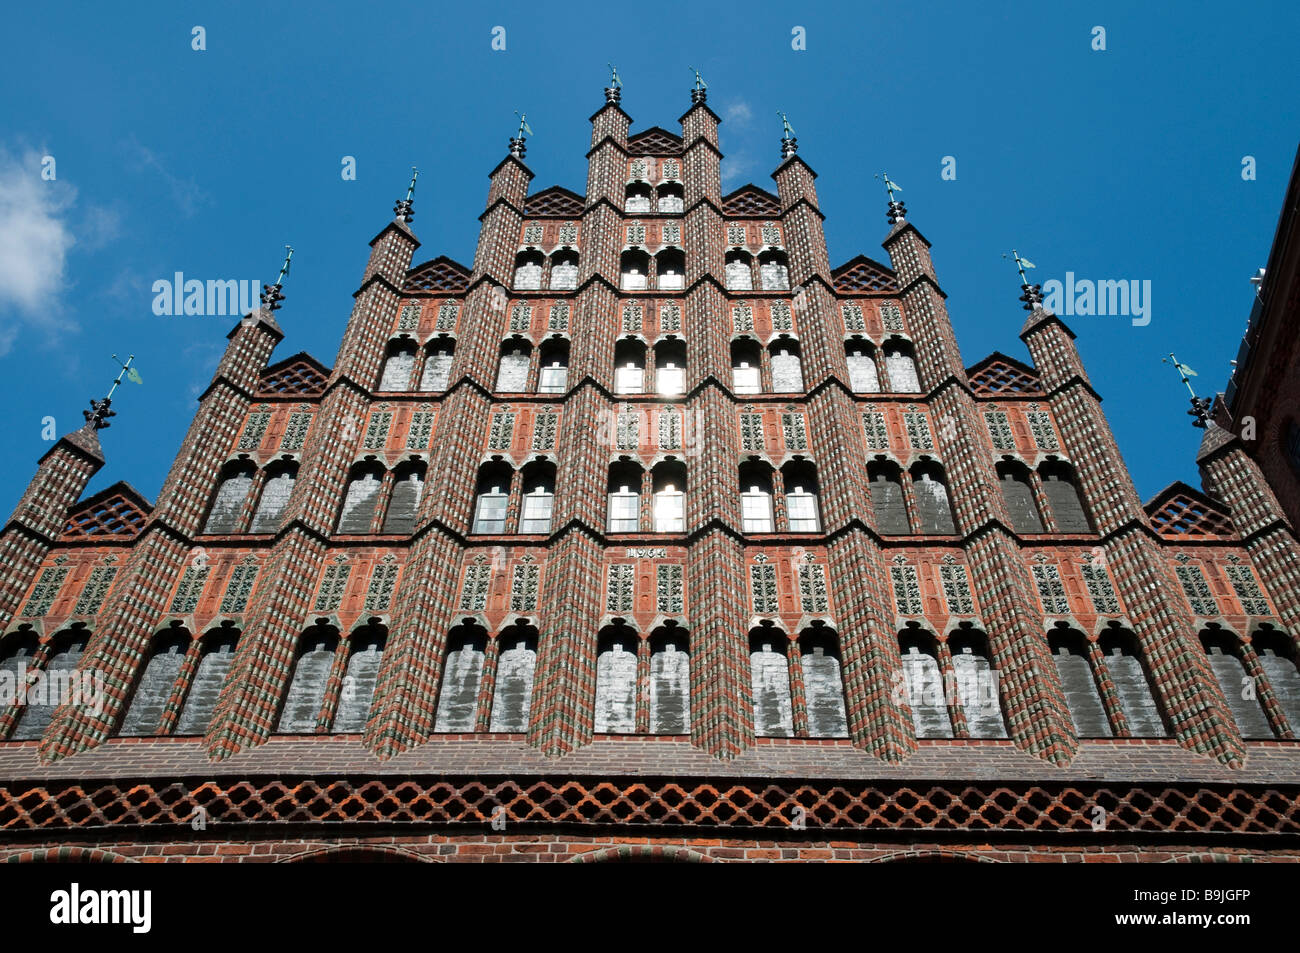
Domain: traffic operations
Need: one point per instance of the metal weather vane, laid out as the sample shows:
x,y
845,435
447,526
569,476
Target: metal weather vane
x,y
272,295
897,210
1200,405
699,80
787,131
405,208
99,412
1032,294
614,81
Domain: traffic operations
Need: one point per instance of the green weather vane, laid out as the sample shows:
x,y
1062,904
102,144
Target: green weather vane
x,y
614,81
1021,264
410,189
787,132
1200,405
524,128
97,416
699,80
890,185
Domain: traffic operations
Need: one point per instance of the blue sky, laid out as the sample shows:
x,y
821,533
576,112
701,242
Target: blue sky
x,y
1116,164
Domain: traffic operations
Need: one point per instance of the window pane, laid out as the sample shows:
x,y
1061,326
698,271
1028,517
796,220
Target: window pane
x,y
627,380
802,508
669,379
756,512
746,379
437,371
491,514
669,512
553,379
623,512
537,513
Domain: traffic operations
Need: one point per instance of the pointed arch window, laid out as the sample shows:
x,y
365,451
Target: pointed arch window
x,y
528,270
919,653
770,679
774,271
634,266
624,498
512,697
554,374
57,683
365,655
404,501
538,498
157,681
564,270
756,499
670,498
1061,488
361,499
275,497
492,500
616,680
398,366
977,686
462,673
900,365
670,682
887,502
1123,659
863,375
236,481
629,367
217,654
1019,497
516,355
823,683
306,695
933,506
739,271
670,367
437,365
1239,690
801,508
1070,653
671,197
787,372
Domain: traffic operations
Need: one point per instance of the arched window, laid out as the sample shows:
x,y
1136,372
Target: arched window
x,y
539,498
670,269
528,270
770,677
361,498
462,673
746,373
800,478
976,684
633,266
366,653
925,689
670,497
437,364
616,650
398,366
774,270
629,366
1238,687
492,499
404,501
512,697
624,498
554,375
670,681
887,501
740,273
275,496
933,507
863,376
787,374
670,367
16,656
1061,488
564,270
901,368
823,683
217,653
516,354
157,681
756,498
637,198
57,684
311,672
1019,497
1070,653
1124,664
232,491
671,197
1277,656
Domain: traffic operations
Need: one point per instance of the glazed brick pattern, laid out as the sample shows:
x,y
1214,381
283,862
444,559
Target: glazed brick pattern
x,y
714,554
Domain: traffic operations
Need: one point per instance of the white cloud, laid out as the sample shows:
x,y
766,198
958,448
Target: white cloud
x,y
738,113
734,167
35,238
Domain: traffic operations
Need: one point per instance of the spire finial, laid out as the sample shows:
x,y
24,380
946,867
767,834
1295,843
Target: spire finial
x,y
700,91
405,208
897,210
789,144
272,295
519,145
1031,295
614,91
97,416
1200,405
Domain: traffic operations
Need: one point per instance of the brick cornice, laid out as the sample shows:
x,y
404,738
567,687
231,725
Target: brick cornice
x,y
920,279
1041,320
222,379
802,201
398,226
899,230
701,141
377,279
506,161
694,107
791,161
497,203
606,141
1074,380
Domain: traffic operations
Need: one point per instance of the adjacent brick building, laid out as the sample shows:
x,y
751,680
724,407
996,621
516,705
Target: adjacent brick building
x,y
651,534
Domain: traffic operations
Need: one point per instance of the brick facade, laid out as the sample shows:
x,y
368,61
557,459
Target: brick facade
x,y
651,491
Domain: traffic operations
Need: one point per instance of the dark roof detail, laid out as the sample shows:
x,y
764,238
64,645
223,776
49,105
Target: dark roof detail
x,y
556,201
751,200
120,511
654,141
440,274
998,374
1180,511
298,376
863,274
